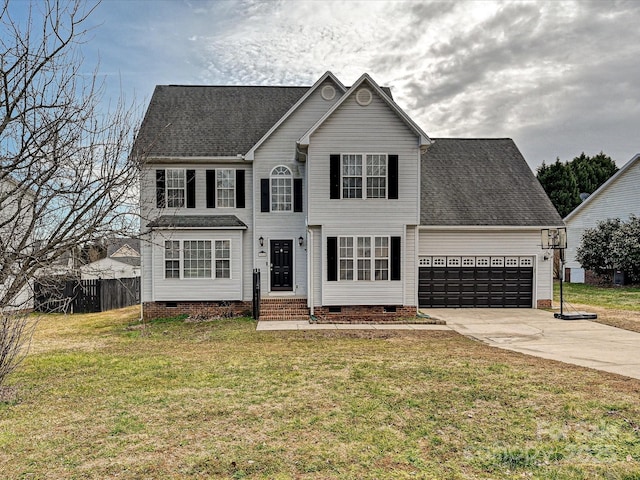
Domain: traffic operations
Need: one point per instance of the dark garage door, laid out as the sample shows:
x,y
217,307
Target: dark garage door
x,y
480,282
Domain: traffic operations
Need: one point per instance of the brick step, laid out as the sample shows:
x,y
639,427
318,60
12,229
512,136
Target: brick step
x,y
281,318
279,301
283,309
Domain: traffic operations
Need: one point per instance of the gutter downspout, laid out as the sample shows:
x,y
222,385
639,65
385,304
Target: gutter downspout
x,y
310,270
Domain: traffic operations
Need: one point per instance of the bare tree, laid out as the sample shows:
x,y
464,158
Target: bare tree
x,y
65,175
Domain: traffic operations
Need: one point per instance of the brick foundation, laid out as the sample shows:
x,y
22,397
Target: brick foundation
x,y
544,303
153,310
364,313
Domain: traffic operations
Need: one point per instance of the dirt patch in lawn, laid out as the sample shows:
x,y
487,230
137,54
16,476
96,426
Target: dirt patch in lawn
x,y
626,319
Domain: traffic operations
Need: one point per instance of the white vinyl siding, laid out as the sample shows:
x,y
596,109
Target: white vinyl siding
x,y
153,255
277,151
372,130
620,199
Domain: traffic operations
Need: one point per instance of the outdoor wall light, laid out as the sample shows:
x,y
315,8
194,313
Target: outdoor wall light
x,y
261,240
300,241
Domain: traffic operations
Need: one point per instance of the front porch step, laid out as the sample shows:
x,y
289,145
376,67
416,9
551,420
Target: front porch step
x,y
273,309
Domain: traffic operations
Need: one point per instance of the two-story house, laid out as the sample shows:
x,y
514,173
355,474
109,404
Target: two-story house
x,y
340,200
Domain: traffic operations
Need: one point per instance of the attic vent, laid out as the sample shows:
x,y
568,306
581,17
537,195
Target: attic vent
x,y
364,97
328,92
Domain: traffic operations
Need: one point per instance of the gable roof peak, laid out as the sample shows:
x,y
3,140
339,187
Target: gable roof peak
x,y
249,156
365,77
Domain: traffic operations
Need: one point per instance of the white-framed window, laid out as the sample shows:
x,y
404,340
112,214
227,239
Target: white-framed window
x,y
345,255
351,176
366,172
382,258
363,258
225,187
376,174
196,259
176,187
281,189
171,259
223,258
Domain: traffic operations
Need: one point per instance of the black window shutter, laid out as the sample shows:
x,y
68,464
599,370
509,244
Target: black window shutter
x,y
191,189
393,177
211,188
332,259
334,176
160,185
297,194
396,258
240,189
264,195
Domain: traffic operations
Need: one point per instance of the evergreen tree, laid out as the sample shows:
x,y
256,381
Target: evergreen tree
x,y
565,181
560,184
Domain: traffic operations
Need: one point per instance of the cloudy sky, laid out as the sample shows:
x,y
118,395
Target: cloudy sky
x,y
557,77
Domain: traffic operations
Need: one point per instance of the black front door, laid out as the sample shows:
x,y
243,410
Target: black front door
x,y
281,265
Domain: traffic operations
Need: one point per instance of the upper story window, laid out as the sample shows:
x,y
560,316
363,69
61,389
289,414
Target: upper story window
x,y
226,187
281,189
176,186
368,170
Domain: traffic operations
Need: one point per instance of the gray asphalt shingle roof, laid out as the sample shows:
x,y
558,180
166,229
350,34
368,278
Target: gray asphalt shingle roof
x,y
212,121
197,221
481,182
203,121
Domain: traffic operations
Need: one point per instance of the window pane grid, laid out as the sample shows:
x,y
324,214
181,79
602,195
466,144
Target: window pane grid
x,y
171,259
376,176
281,190
352,176
226,187
223,258
364,258
197,258
175,181
381,258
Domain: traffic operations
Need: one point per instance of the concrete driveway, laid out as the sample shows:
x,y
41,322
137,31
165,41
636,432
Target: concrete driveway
x,y
538,333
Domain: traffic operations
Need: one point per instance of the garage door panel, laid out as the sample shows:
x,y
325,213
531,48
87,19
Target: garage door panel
x,y
481,285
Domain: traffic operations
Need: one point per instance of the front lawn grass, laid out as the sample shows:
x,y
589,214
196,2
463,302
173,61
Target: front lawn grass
x,y
101,397
619,298
615,306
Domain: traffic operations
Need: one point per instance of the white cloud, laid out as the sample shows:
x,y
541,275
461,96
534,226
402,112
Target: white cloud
x,y
558,77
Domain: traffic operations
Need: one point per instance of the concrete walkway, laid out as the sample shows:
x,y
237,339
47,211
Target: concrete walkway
x,y
538,333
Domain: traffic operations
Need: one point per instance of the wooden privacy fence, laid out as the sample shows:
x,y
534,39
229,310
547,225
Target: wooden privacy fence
x,y
85,296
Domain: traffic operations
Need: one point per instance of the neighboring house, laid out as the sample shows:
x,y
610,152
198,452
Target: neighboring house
x,y
15,242
618,197
122,261
339,199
